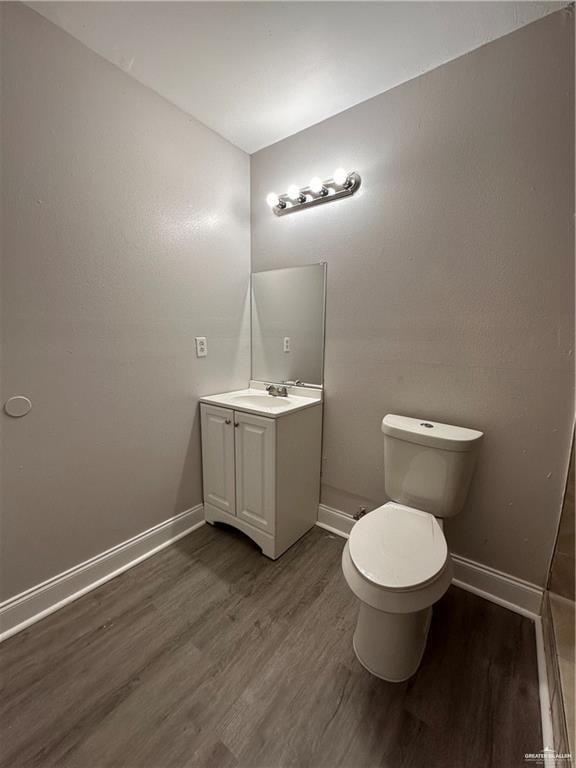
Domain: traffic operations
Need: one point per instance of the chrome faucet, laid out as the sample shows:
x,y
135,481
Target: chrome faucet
x,y
275,391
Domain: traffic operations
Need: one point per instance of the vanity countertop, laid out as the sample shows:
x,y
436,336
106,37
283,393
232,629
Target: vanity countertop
x,y
256,400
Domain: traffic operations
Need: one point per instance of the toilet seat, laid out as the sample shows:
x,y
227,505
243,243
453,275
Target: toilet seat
x,y
398,548
414,585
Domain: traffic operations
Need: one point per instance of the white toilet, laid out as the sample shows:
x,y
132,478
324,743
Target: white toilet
x,y
396,560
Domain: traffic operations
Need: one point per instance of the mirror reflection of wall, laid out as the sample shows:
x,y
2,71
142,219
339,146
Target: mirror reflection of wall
x,y
288,324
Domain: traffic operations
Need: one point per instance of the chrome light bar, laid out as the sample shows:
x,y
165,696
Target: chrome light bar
x,y
342,184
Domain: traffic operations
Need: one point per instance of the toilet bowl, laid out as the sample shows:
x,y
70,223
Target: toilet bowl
x,y
396,560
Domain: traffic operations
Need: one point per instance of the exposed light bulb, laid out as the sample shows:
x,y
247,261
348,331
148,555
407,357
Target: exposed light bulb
x,y
294,192
316,185
272,199
340,176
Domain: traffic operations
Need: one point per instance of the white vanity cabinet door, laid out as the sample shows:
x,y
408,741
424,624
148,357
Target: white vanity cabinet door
x,y
218,457
256,470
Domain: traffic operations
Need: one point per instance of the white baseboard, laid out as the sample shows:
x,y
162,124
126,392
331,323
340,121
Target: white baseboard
x,y
502,588
34,604
334,521
548,751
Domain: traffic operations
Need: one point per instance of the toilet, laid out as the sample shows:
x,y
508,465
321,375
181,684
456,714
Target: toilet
x,y
396,560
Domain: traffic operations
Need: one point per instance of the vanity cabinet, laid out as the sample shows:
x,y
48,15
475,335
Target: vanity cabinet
x,y
262,475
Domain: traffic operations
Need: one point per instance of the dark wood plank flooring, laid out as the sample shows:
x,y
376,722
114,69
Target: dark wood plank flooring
x,y
209,655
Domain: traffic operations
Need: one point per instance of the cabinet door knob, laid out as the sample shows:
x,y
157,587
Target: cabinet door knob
x,y
236,423
227,421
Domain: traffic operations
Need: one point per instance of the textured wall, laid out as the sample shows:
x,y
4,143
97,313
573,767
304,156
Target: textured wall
x,y
126,233
562,570
450,279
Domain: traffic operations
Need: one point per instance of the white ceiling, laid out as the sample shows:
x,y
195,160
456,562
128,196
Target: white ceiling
x,y
257,72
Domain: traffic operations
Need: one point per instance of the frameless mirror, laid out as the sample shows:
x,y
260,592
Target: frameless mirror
x,y
288,324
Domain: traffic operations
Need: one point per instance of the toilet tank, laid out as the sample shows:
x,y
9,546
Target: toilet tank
x,y
428,465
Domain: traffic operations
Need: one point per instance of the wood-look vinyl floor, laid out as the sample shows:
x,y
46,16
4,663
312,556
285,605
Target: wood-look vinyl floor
x,y
209,655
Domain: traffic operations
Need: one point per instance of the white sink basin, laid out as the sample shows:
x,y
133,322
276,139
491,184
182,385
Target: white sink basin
x,y
257,400
268,401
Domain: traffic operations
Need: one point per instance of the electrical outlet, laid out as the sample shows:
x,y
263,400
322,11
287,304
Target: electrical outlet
x,y
286,346
201,346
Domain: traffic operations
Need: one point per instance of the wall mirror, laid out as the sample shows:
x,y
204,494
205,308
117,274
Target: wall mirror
x,y
288,324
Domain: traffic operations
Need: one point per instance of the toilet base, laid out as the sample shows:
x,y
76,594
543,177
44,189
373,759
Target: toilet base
x,y
391,645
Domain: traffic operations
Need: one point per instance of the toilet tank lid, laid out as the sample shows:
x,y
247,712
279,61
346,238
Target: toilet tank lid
x,y
432,433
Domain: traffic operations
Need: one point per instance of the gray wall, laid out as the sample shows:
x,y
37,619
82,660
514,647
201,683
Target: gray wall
x,y
126,233
450,279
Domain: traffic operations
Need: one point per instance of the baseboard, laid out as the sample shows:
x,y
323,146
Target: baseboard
x,y
498,587
548,751
334,521
502,588
549,660
34,604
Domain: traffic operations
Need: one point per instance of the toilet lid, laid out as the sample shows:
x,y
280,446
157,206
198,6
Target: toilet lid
x,y
398,547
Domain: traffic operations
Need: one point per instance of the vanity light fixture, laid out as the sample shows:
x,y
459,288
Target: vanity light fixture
x,y
342,184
